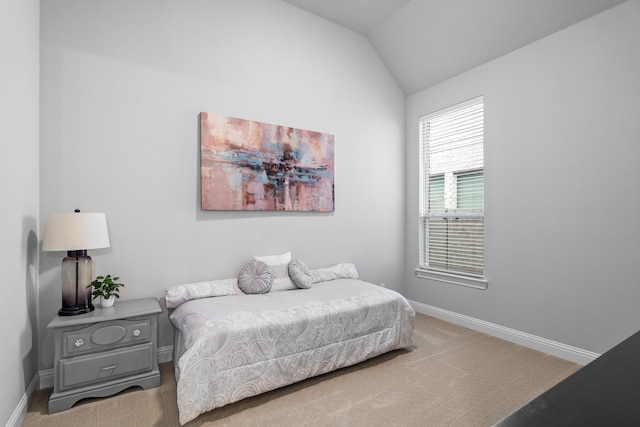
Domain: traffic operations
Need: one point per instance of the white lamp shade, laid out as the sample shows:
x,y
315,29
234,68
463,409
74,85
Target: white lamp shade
x,y
75,231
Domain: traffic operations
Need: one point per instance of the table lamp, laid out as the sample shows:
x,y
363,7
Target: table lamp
x,y
75,232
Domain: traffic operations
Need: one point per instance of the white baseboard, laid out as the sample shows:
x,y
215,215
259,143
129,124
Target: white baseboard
x,y
46,378
165,354
553,348
20,412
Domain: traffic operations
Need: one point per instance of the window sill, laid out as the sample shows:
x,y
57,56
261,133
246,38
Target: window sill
x,y
453,279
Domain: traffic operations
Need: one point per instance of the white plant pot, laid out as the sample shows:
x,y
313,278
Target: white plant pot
x,y
107,302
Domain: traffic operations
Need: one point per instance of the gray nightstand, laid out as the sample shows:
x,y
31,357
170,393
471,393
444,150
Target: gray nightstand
x,y
104,352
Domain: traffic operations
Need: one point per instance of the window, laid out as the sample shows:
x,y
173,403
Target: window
x,y
452,190
436,192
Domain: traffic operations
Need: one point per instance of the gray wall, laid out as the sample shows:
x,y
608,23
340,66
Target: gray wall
x,y
562,198
122,85
19,23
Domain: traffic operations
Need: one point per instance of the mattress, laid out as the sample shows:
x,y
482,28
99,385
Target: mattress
x,y
237,346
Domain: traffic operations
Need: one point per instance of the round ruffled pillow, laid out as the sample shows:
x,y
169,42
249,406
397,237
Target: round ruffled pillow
x,y
300,274
255,278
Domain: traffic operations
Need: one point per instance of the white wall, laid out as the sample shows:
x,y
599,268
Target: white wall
x,y
562,198
19,23
122,85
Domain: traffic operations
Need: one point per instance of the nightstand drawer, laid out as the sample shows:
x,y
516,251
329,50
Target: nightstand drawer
x,y
101,367
105,335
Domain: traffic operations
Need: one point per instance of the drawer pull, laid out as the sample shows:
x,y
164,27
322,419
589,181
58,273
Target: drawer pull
x,y
108,368
79,342
136,332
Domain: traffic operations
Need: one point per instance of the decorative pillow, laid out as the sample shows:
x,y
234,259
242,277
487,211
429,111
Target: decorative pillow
x,y
300,274
338,271
255,278
280,267
274,259
178,294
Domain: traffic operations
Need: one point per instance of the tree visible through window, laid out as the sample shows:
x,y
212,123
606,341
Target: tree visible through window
x,y
452,190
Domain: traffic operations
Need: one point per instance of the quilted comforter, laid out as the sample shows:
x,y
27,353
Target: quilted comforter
x,y
238,346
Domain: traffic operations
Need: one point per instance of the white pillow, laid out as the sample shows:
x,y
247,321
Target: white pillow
x,y
178,294
274,259
280,268
338,271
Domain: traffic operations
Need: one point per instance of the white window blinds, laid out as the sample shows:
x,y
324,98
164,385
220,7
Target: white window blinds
x,y
452,196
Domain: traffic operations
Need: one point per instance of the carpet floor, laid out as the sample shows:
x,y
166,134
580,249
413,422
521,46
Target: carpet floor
x,y
452,377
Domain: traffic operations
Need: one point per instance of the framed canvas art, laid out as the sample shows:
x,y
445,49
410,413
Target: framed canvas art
x,y
249,165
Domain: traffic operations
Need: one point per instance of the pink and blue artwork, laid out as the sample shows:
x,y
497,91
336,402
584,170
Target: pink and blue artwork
x,y
249,165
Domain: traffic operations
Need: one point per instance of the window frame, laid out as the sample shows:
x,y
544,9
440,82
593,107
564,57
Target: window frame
x,y
468,279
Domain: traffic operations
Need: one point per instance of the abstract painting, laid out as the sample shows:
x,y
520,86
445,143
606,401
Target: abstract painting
x,y
249,165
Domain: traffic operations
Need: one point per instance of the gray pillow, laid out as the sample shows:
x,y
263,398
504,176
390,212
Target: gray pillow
x,y
255,278
300,274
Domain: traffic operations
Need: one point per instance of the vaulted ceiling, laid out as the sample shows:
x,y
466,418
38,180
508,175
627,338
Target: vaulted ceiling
x,y
424,42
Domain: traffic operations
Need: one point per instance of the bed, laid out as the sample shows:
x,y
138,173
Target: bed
x,y
230,345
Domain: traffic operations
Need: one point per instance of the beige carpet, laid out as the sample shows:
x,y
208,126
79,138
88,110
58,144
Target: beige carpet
x,y
453,377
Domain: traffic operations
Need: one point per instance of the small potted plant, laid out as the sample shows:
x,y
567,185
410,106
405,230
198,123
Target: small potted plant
x,y
107,288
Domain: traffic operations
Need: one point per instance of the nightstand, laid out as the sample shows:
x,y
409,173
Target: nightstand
x,y
104,352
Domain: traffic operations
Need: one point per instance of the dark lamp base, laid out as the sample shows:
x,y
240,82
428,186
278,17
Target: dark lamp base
x,y
72,311
76,284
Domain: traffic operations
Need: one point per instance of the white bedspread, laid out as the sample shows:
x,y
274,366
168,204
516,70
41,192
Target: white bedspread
x,y
232,347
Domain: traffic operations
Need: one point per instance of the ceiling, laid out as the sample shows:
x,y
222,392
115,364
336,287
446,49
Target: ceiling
x,y
424,42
